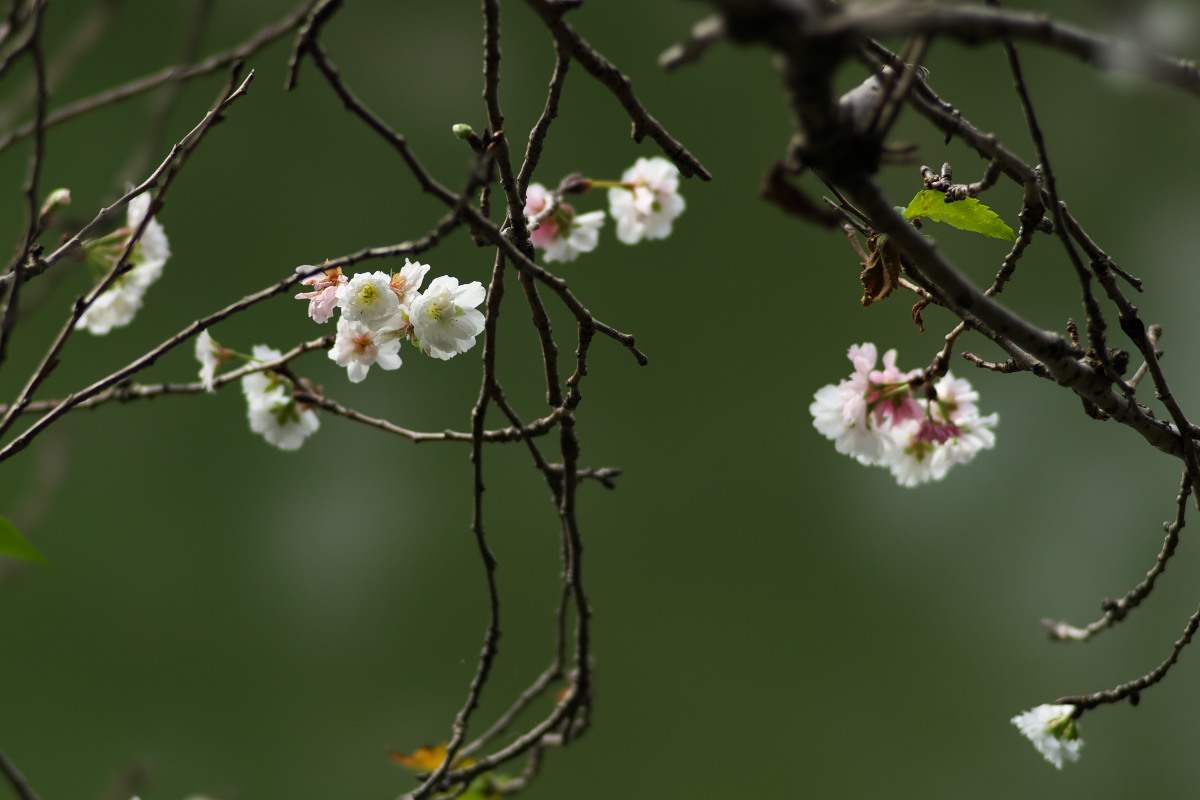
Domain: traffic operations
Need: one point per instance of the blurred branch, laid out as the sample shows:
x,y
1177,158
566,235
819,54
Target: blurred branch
x,y
974,25
179,156
208,66
26,249
89,30
15,779
155,129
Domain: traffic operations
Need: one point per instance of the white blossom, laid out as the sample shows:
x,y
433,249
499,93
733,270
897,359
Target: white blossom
x,y
357,347
1053,731
649,203
444,318
115,308
152,250
122,300
368,297
407,282
272,410
208,353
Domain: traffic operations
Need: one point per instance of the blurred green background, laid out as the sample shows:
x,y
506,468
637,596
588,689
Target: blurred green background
x,y
771,619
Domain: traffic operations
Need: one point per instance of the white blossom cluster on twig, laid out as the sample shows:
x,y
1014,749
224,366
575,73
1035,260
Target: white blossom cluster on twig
x,y
378,311
120,302
644,203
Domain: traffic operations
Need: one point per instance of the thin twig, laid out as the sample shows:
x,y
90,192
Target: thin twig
x,y
212,64
473,216
603,70
1117,610
34,224
1132,690
142,362
179,157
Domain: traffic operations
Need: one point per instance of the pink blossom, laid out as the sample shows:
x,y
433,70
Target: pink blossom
x,y
323,298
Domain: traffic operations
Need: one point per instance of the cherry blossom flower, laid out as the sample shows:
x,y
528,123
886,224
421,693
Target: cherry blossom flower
x,y
323,299
1053,731
272,410
407,281
855,413
563,234
444,318
122,300
357,347
648,203
953,433
151,252
874,417
210,355
368,297
113,309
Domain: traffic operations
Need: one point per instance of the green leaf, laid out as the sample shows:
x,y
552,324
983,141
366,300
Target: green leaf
x,y
967,214
12,543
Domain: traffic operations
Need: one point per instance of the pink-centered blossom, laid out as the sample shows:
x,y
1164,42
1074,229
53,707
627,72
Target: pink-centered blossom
x,y
875,417
858,413
357,348
563,233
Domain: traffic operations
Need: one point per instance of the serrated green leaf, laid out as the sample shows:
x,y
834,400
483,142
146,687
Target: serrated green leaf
x,y
12,543
967,214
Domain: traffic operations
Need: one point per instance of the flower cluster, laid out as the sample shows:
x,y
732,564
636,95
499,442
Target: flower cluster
x,y
874,417
1053,731
273,410
122,300
378,311
644,203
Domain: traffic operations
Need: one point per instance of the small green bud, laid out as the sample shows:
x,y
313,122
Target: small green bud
x,y
463,131
56,200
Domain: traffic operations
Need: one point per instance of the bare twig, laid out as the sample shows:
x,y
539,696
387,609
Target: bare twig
x,y
607,73
210,65
1117,610
178,158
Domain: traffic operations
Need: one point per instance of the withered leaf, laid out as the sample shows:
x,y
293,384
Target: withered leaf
x,y
426,758
882,272
916,313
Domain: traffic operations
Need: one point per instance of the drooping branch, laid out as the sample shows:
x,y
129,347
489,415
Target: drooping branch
x,y
1117,610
